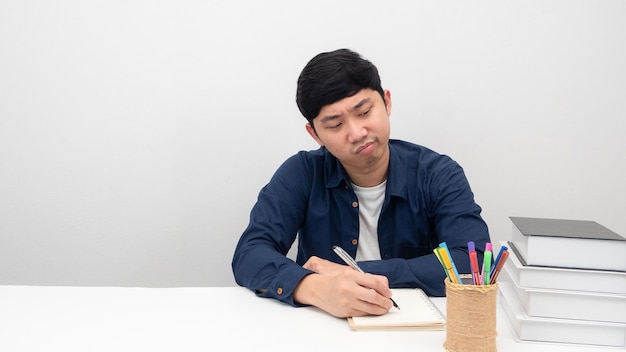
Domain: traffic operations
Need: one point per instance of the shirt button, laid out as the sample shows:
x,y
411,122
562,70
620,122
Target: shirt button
x,y
354,241
355,204
279,291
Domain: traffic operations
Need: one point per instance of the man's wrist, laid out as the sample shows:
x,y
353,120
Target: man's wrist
x,y
306,291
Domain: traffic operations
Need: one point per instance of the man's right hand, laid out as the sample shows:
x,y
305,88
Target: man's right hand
x,y
342,291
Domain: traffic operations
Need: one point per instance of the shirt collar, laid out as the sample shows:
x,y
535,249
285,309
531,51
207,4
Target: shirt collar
x,y
397,176
334,172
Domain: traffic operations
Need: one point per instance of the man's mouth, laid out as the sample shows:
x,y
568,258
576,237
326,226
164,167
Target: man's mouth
x,y
366,147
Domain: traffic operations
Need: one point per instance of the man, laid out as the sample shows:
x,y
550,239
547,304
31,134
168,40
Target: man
x,y
388,203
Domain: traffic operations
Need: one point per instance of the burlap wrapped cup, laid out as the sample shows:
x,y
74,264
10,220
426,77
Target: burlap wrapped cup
x,y
470,318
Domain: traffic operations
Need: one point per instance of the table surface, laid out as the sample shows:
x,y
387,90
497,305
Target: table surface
x,y
42,318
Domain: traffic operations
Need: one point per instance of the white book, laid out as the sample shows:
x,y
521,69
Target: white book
x,y
417,312
563,278
568,243
561,331
567,304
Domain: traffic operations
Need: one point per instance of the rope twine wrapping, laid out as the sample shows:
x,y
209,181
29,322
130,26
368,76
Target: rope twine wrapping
x,y
470,318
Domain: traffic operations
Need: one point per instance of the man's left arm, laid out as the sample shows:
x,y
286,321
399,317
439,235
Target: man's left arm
x,y
455,219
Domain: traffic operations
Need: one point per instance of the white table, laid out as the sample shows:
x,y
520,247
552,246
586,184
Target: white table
x,y
37,318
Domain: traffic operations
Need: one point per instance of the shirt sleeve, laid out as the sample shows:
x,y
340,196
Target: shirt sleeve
x,y
259,261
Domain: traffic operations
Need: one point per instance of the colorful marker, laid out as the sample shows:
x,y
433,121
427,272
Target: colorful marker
x,y
487,267
454,271
495,262
447,261
499,266
437,252
473,262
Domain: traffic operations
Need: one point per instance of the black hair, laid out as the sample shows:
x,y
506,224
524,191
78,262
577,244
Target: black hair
x,y
332,76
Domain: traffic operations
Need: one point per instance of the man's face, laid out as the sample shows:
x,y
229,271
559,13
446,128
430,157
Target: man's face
x,y
355,130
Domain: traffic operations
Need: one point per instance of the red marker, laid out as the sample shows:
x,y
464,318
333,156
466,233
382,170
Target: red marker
x,y
473,262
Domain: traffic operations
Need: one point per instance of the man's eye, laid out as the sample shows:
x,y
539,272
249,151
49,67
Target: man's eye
x,y
335,126
366,112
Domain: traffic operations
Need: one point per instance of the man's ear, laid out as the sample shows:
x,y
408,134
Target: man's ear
x,y
313,134
388,101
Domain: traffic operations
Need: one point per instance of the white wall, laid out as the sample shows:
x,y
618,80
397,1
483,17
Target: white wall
x,y
135,135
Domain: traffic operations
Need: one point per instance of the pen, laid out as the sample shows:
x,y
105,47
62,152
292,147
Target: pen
x,y
473,262
498,268
352,263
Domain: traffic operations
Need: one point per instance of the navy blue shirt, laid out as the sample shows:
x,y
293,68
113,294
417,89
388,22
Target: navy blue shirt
x,y
428,200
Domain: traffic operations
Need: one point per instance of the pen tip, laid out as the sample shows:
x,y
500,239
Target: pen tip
x,y
394,303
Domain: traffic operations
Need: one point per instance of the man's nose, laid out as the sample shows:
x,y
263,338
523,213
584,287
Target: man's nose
x,y
356,131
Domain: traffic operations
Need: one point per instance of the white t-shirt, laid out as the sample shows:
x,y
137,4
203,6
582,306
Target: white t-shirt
x,y
370,203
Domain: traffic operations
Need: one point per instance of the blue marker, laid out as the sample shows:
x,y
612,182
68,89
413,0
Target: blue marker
x,y
502,249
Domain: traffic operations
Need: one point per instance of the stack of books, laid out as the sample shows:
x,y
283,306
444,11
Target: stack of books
x,y
565,282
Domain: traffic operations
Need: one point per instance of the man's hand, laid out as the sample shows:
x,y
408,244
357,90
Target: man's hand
x,y
324,267
342,291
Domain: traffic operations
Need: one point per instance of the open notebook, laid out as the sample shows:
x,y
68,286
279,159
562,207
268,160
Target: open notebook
x,y
417,312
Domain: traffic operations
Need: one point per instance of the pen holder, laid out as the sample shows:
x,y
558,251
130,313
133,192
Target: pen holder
x,y
470,318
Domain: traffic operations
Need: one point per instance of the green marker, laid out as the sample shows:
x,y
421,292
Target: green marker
x,y
487,268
